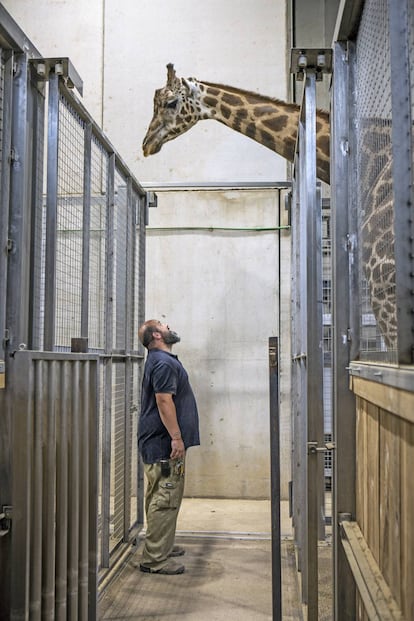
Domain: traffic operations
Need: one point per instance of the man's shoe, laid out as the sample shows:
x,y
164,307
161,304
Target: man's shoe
x,y
170,569
177,551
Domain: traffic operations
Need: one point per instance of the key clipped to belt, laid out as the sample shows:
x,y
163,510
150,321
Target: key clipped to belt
x,y
179,468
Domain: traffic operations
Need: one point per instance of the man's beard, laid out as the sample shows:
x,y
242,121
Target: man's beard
x,y
171,337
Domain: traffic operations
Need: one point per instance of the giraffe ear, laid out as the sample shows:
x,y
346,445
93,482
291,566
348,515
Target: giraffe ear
x,y
188,85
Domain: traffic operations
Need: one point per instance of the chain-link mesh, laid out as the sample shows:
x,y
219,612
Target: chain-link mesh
x,y
378,319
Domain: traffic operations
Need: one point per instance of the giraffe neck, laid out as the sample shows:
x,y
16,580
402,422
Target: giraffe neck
x,y
271,122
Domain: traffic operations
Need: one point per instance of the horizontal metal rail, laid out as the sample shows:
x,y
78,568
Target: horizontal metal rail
x,y
374,591
157,186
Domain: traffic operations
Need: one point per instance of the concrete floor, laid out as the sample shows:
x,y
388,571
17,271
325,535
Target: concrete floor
x,y
228,570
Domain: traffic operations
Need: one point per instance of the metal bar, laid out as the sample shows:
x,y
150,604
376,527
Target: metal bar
x,y
86,230
314,339
62,507
83,406
7,100
21,380
51,211
215,185
402,178
73,500
19,219
40,386
129,305
397,377
375,593
108,375
11,33
142,214
274,400
343,290
93,450
35,340
49,483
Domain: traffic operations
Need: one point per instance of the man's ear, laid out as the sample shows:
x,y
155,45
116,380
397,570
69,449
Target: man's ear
x,y
156,335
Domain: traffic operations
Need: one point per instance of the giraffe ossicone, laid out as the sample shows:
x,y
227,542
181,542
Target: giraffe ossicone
x,y
182,102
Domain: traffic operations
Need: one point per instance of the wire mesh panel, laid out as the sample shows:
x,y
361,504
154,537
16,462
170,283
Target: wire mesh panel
x,y
378,319
97,250
69,225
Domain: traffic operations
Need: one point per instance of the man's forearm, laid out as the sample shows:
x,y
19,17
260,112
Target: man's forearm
x,y
168,414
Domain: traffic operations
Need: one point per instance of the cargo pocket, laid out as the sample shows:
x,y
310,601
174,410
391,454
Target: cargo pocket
x,y
169,495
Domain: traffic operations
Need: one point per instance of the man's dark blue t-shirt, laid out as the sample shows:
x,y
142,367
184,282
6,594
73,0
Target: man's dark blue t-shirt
x,y
164,373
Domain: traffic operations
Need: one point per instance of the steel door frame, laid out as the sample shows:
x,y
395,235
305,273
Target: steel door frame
x,y
307,352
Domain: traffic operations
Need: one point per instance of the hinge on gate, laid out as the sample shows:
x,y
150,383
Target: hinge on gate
x,y
313,447
5,520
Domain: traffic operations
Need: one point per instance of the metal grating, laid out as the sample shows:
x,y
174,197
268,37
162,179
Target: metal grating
x,y
54,487
97,250
411,65
120,267
378,320
69,226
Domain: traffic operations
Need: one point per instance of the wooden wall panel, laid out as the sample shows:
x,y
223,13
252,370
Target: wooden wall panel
x,y
389,502
407,520
372,457
385,488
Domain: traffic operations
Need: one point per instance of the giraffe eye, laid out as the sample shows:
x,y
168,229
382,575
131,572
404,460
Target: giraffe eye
x,y
172,104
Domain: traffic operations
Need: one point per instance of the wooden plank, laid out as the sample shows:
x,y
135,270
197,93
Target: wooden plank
x,y
407,520
395,400
372,520
389,503
373,589
361,466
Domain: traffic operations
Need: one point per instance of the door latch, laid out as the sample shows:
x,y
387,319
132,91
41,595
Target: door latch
x,y
5,520
314,448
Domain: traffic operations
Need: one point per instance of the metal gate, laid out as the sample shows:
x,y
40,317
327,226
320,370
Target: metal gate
x,y
73,223
55,484
309,447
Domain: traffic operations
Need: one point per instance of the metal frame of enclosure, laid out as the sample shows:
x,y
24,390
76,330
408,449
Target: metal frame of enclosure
x,y
72,270
309,448
372,200
373,302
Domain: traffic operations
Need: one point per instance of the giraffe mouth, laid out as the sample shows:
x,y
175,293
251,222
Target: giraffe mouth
x,y
150,148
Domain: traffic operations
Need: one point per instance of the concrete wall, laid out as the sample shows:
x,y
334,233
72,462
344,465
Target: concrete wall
x,y
220,290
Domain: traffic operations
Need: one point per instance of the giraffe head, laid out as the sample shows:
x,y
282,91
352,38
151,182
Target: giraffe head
x,y
176,109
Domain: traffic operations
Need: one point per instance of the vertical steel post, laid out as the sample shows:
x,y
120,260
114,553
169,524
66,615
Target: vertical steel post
x,y
108,371
93,449
86,230
22,492
345,338
50,412
51,211
128,317
62,507
314,340
275,477
74,503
